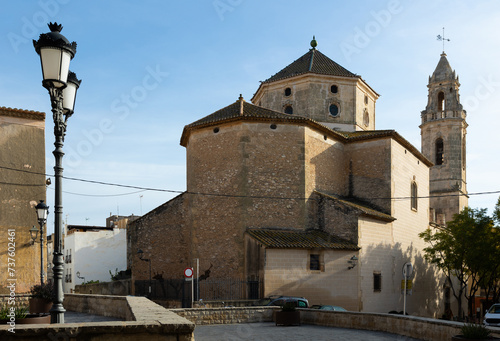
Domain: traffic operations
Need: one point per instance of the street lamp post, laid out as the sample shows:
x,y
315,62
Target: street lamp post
x,y
42,211
56,53
141,253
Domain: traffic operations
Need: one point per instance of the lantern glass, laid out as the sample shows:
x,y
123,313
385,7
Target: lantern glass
x,y
42,211
55,65
69,95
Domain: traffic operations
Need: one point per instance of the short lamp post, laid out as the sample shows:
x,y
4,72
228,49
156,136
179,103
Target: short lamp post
x,y
42,212
141,255
56,53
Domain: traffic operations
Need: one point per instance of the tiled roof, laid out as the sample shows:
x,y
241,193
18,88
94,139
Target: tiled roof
x,y
29,114
312,62
363,208
244,110
299,239
374,134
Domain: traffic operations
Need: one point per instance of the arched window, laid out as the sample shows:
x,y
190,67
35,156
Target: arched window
x,y
439,151
289,110
441,101
414,196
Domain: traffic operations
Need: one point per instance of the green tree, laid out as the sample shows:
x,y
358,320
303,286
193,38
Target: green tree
x,y
491,282
459,249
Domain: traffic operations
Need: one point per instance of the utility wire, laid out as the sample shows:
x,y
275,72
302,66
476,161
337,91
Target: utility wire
x,y
142,189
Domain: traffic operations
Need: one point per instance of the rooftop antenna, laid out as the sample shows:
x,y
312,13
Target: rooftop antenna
x,y
442,38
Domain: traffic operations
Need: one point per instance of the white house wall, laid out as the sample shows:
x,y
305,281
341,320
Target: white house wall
x,y
94,254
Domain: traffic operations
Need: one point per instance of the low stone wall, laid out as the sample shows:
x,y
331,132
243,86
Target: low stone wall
x,y
145,320
103,305
200,316
116,288
20,299
411,326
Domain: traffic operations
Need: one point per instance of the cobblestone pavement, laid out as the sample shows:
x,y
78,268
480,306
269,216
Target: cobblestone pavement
x,y
268,331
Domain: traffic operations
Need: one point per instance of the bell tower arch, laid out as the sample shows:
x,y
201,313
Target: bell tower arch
x,y
443,131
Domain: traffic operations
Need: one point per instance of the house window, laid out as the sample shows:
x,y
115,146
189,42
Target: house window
x,y
288,92
377,282
334,89
439,151
414,196
314,263
289,110
334,110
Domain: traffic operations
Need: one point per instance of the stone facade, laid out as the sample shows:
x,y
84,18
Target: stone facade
x,y
22,185
254,167
444,131
316,87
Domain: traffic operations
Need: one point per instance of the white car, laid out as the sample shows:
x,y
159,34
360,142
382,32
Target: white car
x,y
492,317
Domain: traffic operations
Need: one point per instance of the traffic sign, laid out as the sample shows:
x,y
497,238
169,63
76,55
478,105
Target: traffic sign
x,y
188,272
407,270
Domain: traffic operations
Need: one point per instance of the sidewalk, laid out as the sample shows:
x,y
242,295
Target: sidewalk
x,y
268,331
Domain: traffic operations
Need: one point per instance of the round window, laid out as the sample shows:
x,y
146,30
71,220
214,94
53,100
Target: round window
x,y
288,92
334,110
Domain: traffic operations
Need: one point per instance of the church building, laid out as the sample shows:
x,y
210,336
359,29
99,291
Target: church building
x,y
298,191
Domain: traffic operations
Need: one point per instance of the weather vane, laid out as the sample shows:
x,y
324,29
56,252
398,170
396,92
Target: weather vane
x,y
442,38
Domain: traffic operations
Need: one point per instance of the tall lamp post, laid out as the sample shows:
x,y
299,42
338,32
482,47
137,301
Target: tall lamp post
x,y
141,254
42,211
56,53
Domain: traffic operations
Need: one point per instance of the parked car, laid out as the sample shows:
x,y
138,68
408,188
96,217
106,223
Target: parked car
x,y
300,302
492,316
328,307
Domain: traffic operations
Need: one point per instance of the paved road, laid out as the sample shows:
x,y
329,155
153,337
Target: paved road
x,y
268,331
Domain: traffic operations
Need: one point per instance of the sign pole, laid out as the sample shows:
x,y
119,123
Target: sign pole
x,y
407,272
404,304
198,278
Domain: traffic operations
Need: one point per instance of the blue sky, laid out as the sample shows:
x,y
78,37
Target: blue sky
x,y
149,68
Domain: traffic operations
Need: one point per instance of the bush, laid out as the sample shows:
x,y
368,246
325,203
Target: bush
x,y
43,291
475,331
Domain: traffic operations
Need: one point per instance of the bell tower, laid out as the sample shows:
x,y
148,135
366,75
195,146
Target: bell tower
x,y
443,132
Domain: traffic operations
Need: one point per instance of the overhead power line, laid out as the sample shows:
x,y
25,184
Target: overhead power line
x,y
142,189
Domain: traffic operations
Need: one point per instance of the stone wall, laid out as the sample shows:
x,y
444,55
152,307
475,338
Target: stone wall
x,y
164,237
22,146
145,320
202,316
409,326
116,288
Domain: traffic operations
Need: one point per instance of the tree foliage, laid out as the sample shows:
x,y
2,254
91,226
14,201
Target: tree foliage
x,y
465,250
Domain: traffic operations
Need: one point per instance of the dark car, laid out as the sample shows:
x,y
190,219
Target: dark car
x,y
328,307
300,302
